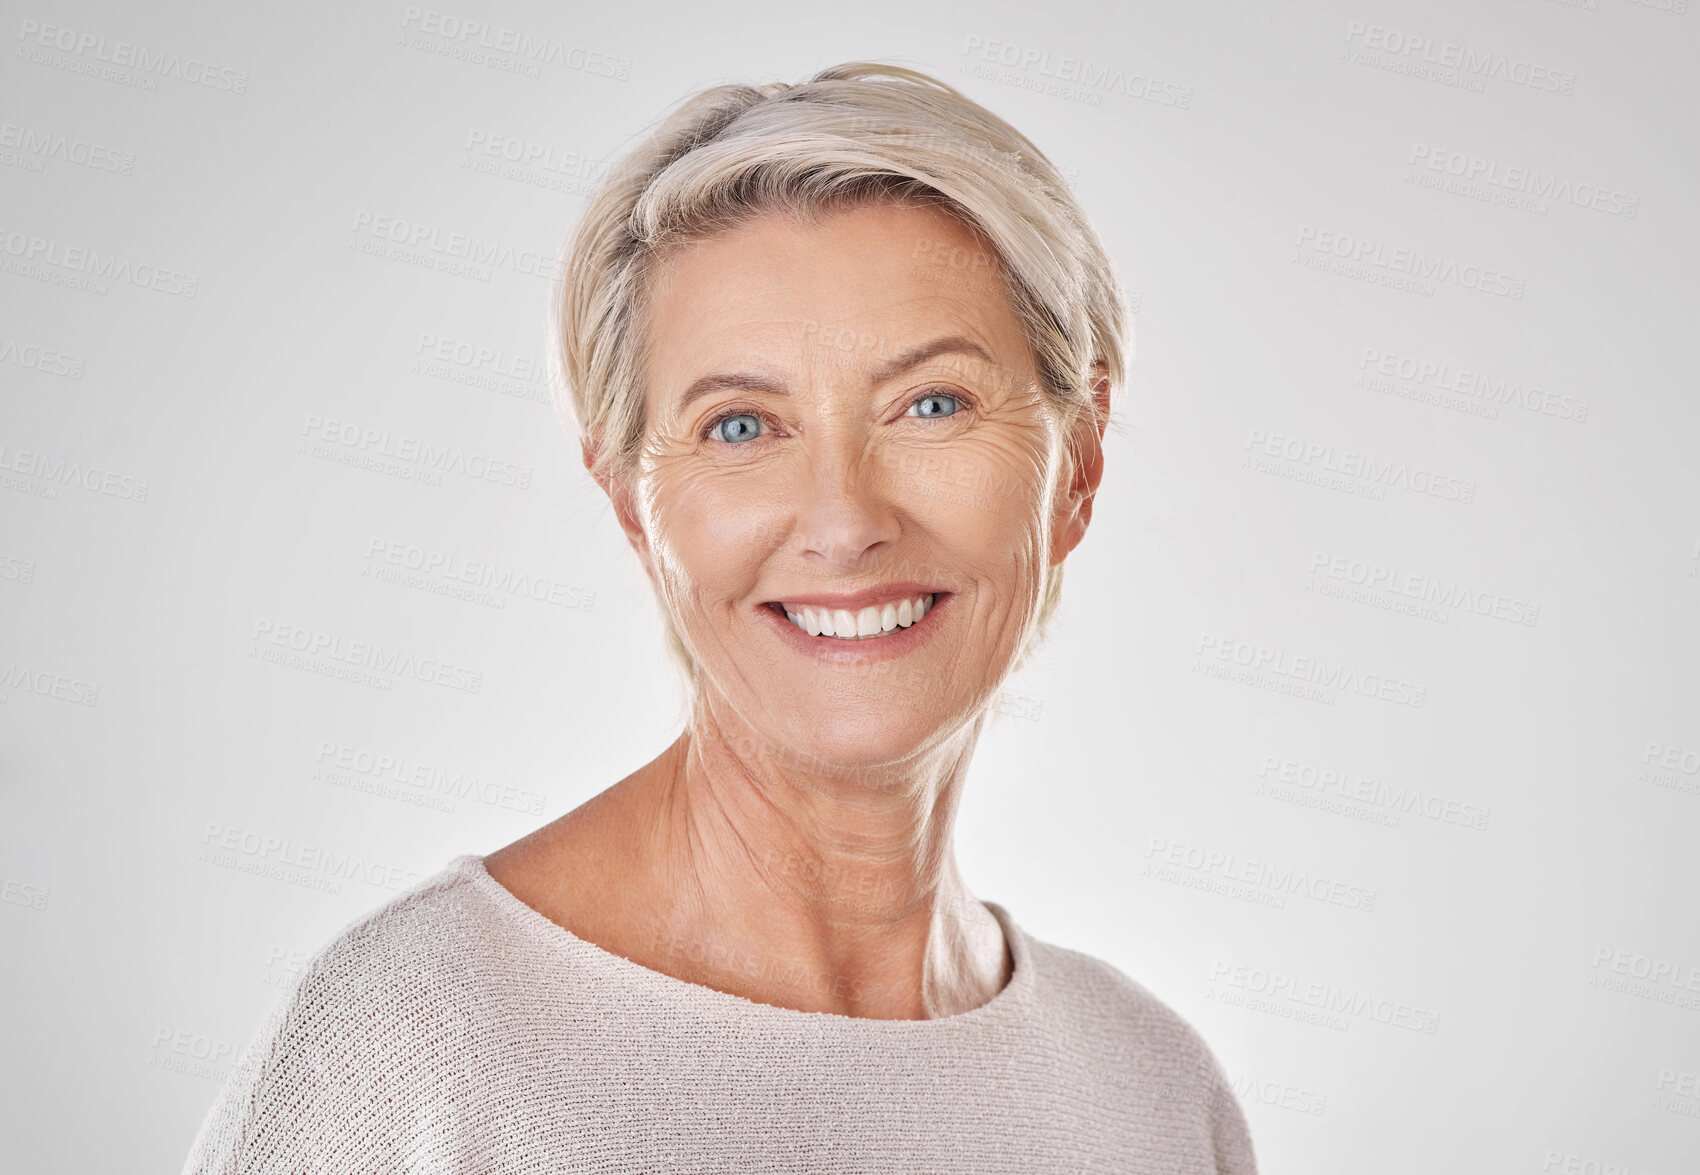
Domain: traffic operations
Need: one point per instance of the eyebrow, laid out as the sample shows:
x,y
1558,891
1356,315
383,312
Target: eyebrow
x,y
887,369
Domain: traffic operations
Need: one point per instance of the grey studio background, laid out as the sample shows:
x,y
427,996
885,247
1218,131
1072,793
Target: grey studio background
x,y
1369,736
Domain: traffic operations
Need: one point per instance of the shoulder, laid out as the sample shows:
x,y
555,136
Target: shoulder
x,y
361,1036
406,941
396,967
1081,984
1147,1051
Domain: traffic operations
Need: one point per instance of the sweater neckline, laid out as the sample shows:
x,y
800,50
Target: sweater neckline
x,y
1007,1005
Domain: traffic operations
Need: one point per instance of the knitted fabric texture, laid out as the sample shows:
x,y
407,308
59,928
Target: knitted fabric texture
x,y
456,1029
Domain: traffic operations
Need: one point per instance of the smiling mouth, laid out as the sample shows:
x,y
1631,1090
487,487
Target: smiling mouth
x,y
862,624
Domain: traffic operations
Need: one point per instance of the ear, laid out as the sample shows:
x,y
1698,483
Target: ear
x,y
1084,454
622,495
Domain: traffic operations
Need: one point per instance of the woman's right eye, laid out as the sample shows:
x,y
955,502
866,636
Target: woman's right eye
x,y
733,429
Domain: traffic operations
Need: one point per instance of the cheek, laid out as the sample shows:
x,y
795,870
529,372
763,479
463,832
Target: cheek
x,y
711,529
983,497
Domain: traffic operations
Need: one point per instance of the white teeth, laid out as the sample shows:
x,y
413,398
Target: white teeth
x,y
870,622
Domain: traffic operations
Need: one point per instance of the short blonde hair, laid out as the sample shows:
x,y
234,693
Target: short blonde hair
x,y
855,133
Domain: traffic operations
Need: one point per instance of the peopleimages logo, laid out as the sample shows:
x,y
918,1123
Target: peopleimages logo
x,y
48,259
541,156
42,359
1663,980
283,858
21,893
16,569
299,647
1317,248
51,472
451,568
192,1053
47,684
1231,868
1280,776
1467,63
33,146
429,240
1521,181
480,358
1447,377
127,55
1313,671
1315,455
1068,72
1274,1093
475,40
1283,994
1451,594
1665,766
378,445
336,761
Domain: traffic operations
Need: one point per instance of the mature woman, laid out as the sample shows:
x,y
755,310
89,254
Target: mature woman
x,y
841,355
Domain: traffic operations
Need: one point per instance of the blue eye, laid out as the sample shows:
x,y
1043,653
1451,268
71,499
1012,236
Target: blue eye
x,y
734,429
937,404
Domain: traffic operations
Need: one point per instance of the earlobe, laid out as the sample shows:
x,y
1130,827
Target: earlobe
x,y
1070,529
619,492
1086,470
621,496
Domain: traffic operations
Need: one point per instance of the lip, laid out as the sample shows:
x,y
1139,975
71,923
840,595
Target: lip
x,y
896,643
885,593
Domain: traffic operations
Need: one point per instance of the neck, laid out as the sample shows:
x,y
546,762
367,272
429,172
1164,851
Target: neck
x,y
839,882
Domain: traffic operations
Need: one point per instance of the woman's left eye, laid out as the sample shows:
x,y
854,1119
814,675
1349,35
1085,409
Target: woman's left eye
x,y
738,428
934,405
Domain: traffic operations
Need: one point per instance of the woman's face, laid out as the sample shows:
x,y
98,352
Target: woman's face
x,y
844,424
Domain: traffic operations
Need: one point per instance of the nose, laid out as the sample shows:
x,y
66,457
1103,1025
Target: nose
x,y
844,512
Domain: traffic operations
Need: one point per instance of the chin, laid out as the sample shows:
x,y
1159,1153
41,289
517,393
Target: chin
x,y
850,737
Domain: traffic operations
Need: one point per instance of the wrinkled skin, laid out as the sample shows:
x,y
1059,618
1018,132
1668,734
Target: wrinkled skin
x,y
805,814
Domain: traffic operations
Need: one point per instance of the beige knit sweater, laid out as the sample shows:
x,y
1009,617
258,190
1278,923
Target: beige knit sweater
x,y
455,1029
